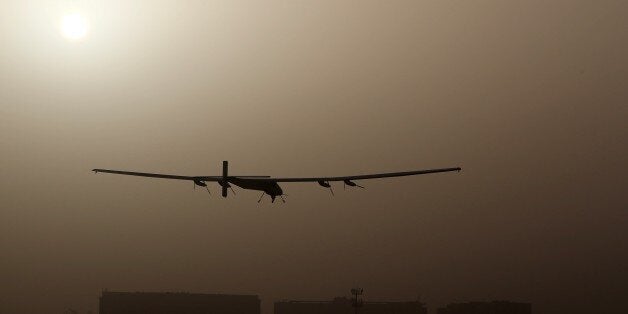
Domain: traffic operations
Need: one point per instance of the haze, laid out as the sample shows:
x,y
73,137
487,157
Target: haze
x,y
529,97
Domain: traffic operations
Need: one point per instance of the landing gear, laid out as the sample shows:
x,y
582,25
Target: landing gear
x,y
272,197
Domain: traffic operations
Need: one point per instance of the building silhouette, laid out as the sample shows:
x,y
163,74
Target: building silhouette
x,y
179,303
495,307
342,305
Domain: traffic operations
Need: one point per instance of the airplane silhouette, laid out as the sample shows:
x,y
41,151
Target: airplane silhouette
x,y
269,185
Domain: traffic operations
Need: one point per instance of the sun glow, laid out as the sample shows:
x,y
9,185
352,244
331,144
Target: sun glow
x,y
74,26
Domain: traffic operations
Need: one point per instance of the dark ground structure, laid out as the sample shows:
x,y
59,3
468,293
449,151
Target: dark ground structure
x,y
495,307
179,303
343,305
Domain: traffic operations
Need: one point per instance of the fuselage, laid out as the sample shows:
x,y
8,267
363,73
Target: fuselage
x,y
269,187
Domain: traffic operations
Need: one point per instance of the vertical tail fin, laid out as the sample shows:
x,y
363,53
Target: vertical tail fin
x,y
225,174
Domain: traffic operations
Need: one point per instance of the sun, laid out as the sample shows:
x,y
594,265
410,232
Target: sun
x,y
74,26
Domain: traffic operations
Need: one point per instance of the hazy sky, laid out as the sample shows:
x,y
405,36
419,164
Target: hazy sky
x,y
529,97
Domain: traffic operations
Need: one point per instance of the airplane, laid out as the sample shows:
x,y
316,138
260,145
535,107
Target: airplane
x,y
269,185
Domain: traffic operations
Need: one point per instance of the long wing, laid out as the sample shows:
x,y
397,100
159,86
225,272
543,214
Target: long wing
x,y
269,179
157,175
171,176
362,177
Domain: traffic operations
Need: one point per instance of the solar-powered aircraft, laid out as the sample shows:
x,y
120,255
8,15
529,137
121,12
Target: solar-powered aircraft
x,y
269,185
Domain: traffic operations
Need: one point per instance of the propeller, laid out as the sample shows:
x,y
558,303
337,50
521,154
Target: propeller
x,y
326,185
225,187
351,183
201,183
260,198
